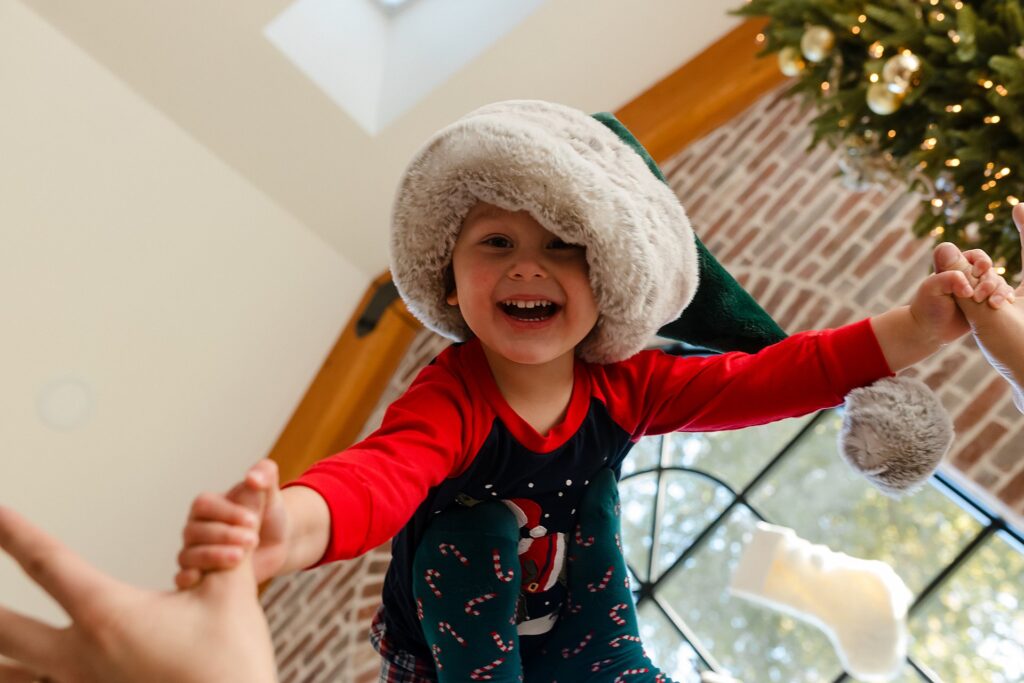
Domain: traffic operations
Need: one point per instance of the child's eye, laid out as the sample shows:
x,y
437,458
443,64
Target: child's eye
x,y
498,241
562,244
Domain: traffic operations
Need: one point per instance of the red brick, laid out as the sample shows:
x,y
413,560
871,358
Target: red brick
x,y
814,318
947,368
312,674
773,304
272,594
761,179
757,291
813,191
980,405
978,446
741,245
707,232
770,259
752,202
844,235
786,319
372,590
1010,455
808,246
843,316
786,197
877,253
1013,492
299,648
319,645
913,249
693,207
829,274
329,577
844,209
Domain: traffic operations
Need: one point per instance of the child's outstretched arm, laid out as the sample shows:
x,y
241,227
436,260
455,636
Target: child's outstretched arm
x,y
293,531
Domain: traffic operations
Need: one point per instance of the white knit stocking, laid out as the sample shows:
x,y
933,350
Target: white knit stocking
x,y
860,604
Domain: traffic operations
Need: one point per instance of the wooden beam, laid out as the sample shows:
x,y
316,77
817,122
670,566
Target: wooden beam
x,y
347,388
704,93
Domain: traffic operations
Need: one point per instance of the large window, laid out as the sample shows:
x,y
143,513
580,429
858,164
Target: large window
x,y
690,502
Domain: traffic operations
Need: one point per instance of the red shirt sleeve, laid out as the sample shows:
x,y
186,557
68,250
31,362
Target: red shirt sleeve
x,y
803,373
373,488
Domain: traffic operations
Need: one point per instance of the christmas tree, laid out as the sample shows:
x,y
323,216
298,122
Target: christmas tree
x,y
922,92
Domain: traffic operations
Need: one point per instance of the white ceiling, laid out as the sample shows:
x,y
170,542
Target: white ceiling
x,y
210,68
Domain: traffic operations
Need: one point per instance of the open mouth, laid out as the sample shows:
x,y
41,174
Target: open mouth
x,y
529,311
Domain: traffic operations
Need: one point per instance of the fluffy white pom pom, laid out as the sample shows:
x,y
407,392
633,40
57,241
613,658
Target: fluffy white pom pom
x,y
895,433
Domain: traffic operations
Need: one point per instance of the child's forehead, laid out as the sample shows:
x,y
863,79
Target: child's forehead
x,y
484,211
483,214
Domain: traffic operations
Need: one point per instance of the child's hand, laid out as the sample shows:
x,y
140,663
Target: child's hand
x,y
220,529
935,311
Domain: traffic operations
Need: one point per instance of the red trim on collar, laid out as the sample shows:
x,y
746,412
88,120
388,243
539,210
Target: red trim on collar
x,y
521,430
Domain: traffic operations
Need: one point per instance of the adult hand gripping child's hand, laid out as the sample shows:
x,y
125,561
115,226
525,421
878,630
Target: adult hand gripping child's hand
x,y
122,634
220,529
998,322
935,306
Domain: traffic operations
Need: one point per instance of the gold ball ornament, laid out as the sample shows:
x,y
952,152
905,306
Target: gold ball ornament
x,y
817,43
883,101
791,63
901,72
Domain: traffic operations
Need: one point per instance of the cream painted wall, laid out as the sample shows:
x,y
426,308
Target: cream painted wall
x,y
132,260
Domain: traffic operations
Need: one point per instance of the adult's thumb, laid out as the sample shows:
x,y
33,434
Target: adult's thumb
x,y
948,257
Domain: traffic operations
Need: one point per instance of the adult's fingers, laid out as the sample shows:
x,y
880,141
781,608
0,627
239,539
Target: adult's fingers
x,y
27,641
980,261
211,557
947,256
1004,293
187,578
986,286
60,572
263,475
12,673
216,507
218,533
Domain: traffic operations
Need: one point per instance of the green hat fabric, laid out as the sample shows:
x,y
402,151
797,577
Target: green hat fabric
x,y
722,316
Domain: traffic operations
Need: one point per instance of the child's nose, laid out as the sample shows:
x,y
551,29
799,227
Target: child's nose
x,y
527,268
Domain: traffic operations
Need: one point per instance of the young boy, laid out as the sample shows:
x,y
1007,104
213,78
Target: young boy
x,y
541,237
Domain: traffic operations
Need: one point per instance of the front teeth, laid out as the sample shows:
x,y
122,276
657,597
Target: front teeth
x,y
527,304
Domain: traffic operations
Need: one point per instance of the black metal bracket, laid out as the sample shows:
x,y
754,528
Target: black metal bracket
x,y
379,302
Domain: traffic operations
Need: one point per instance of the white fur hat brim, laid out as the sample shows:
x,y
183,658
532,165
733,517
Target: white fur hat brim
x,y
579,180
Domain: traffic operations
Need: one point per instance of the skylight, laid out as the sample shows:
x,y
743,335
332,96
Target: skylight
x,y
377,59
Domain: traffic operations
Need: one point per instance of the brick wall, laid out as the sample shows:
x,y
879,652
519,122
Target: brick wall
x,y
813,253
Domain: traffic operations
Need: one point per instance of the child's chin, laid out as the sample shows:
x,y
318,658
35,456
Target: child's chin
x,y
523,355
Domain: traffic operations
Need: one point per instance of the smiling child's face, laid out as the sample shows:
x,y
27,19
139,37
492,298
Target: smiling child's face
x,y
523,291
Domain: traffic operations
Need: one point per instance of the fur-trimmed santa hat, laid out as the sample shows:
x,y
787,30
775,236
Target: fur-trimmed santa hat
x,y
589,181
